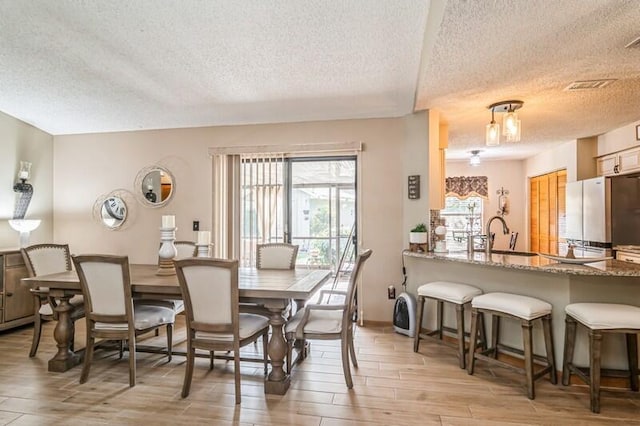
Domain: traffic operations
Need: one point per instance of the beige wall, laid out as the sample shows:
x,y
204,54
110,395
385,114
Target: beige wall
x,y
87,166
500,174
20,141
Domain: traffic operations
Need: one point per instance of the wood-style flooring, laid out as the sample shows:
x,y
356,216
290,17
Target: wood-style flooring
x,y
393,386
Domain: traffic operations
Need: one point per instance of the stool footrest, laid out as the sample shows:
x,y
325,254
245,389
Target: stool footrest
x,y
517,369
504,348
583,373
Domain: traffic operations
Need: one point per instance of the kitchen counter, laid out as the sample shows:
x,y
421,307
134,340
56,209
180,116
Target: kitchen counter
x,y
535,263
610,281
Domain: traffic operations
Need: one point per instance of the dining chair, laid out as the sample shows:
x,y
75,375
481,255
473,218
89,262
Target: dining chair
x,y
210,291
44,259
276,256
110,313
329,321
185,249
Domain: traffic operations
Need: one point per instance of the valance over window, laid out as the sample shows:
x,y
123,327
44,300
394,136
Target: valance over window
x,y
467,186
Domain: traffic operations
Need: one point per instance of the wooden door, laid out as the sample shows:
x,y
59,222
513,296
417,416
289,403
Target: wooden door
x,y
535,215
547,211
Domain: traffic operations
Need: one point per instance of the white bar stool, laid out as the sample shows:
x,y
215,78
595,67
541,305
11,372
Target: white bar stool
x,y
455,293
600,318
526,310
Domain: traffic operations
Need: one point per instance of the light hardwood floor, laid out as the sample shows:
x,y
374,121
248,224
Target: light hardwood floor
x,y
393,386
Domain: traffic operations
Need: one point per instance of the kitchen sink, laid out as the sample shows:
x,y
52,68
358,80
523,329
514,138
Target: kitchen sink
x,y
514,253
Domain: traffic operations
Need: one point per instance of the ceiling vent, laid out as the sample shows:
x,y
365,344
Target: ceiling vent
x,y
589,84
634,44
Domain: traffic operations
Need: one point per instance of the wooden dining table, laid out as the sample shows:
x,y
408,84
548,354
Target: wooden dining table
x,y
271,288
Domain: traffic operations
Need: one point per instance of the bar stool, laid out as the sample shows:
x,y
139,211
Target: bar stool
x,y
526,310
456,294
599,319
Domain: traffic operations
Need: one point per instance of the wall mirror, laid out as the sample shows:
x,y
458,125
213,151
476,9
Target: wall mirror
x,y
154,186
112,210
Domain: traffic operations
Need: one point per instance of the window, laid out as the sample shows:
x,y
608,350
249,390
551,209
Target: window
x,y
462,218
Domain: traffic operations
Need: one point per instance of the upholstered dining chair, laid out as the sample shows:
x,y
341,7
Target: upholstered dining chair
x,y
330,321
44,259
210,291
109,308
276,256
185,250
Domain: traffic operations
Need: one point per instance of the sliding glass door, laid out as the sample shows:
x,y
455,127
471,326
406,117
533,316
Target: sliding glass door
x,y
307,201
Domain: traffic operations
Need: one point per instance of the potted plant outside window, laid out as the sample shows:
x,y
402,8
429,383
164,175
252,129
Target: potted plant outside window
x,y
418,234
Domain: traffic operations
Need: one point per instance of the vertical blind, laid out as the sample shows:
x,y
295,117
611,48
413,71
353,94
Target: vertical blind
x,y
262,216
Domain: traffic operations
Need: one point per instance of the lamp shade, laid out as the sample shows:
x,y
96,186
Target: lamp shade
x,y
492,136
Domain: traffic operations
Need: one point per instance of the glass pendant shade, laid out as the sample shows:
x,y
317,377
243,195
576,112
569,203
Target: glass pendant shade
x,y
514,134
492,136
511,126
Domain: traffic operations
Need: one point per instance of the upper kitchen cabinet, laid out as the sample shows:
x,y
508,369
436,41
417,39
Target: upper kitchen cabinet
x,y
622,162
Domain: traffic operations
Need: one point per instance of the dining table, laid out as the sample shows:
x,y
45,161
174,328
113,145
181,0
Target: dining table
x,y
270,288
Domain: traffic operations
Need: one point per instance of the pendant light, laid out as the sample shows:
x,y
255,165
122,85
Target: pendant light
x,y
511,126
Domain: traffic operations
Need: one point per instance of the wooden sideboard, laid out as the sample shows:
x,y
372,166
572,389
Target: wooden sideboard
x,y
16,301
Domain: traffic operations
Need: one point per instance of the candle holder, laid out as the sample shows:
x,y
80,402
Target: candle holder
x,y
167,251
203,250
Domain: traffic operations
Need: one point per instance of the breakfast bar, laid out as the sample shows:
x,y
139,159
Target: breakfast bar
x,y
607,281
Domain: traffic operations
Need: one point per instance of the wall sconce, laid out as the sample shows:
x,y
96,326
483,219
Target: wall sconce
x,y
503,201
475,158
24,191
511,126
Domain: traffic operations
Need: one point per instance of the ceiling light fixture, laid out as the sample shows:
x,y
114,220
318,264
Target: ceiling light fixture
x,y
511,126
475,158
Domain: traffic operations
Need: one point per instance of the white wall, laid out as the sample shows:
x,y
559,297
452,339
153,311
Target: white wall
x,y
509,175
23,142
87,166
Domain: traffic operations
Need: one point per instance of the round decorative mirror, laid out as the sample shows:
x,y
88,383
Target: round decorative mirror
x,y
113,210
154,186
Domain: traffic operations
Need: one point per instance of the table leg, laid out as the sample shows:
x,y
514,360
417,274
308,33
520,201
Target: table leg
x,y
63,333
278,380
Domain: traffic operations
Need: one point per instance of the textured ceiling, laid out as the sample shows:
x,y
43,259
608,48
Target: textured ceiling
x,y
88,66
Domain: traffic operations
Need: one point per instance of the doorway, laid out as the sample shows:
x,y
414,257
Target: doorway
x,y
308,201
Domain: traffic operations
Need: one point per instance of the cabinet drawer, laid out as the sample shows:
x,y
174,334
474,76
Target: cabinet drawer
x,y
13,259
628,257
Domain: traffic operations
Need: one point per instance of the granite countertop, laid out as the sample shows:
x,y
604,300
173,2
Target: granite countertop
x,y
535,263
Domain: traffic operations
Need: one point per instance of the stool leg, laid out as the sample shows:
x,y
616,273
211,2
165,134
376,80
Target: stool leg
x,y
528,357
460,328
569,343
495,334
548,344
440,323
595,340
416,338
632,354
483,332
473,339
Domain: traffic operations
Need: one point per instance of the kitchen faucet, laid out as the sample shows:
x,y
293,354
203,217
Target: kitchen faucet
x,y
505,230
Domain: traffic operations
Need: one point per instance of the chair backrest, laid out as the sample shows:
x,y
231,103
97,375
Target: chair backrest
x,y
185,249
276,256
210,292
43,259
353,281
106,287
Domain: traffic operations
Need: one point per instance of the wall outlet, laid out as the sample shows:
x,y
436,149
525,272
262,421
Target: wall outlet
x,y
391,292
196,225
